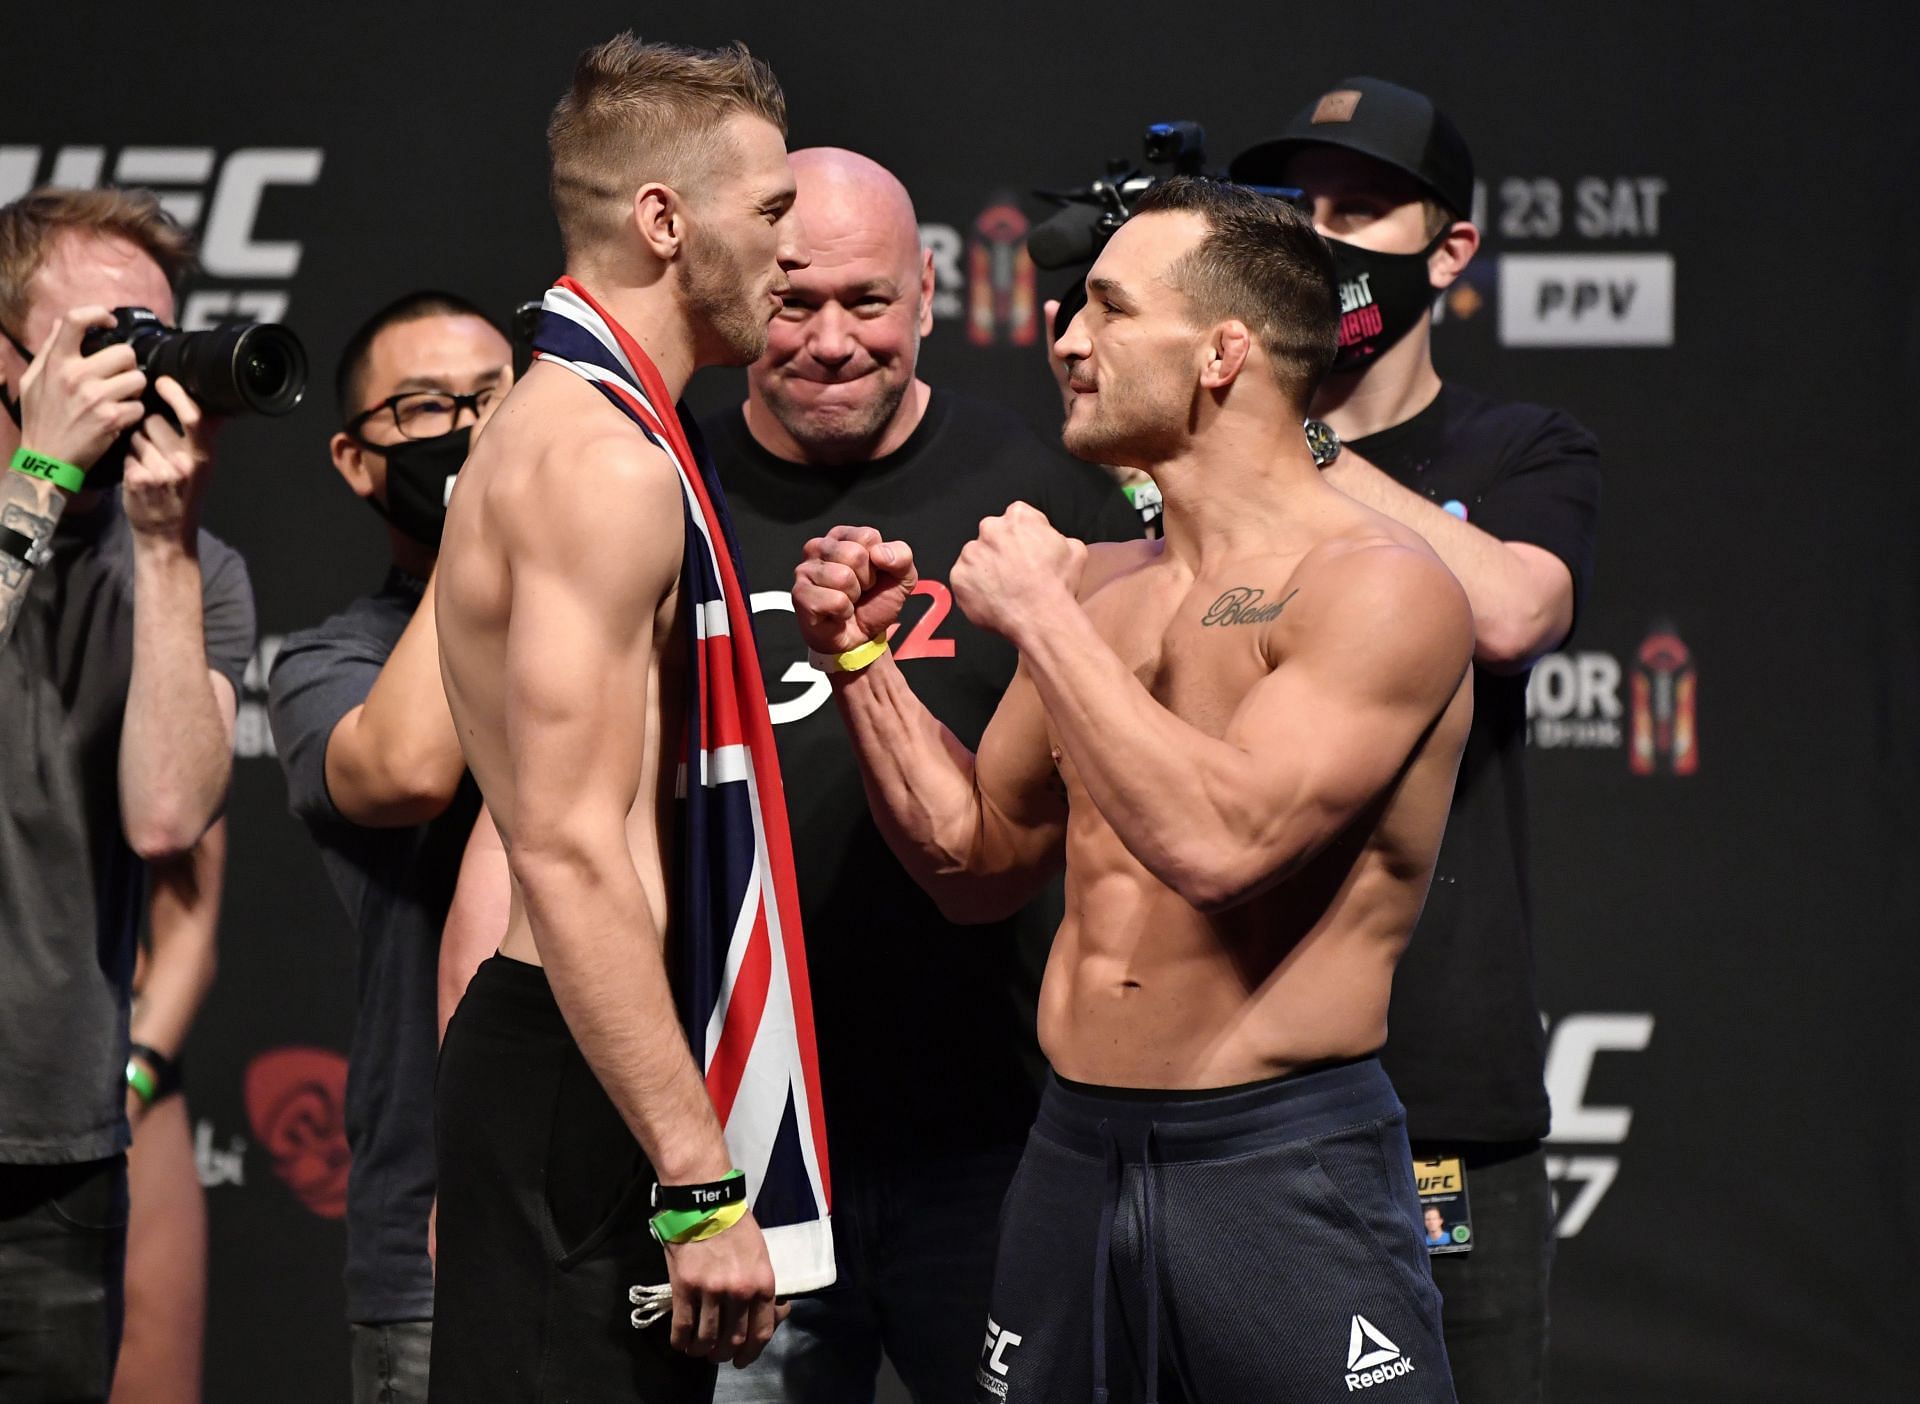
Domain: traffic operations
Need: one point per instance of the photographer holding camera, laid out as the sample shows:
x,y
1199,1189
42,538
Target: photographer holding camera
x,y
130,630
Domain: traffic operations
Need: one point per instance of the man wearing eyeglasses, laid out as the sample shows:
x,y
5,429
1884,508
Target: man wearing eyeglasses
x,y
375,772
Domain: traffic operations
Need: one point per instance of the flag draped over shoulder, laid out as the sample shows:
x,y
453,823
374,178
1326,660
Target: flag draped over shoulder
x,y
735,953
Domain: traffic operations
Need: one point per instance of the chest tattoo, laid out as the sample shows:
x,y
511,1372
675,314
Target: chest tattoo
x,y
1243,605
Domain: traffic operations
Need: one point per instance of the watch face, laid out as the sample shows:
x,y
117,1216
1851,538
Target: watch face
x,y
1324,443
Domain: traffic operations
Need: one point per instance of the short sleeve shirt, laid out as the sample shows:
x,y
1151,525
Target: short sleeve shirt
x,y
396,885
925,1029
71,890
1464,1043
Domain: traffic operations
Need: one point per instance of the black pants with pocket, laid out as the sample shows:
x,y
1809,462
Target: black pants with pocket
x,y
63,1259
544,1203
1259,1243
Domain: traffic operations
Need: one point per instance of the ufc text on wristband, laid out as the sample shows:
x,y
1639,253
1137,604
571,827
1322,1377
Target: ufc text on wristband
x,y
38,465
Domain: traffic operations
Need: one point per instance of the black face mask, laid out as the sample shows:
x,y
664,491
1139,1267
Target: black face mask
x,y
420,474
1382,296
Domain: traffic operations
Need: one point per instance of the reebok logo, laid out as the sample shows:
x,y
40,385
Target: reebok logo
x,y
1371,1358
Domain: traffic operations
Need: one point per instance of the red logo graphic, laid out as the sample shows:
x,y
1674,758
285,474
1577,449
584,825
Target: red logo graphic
x,y
923,640
1000,295
1663,706
296,1099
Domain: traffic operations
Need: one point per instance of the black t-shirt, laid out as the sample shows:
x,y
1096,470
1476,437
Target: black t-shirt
x,y
71,890
396,885
925,1029
1464,1042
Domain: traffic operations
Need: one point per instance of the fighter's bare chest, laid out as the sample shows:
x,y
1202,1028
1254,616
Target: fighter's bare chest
x,y
1197,650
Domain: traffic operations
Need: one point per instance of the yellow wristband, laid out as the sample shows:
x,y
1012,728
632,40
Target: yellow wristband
x,y
852,661
717,1223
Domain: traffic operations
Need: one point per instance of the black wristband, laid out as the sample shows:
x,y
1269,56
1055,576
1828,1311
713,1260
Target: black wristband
x,y
166,1071
699,1199
16,545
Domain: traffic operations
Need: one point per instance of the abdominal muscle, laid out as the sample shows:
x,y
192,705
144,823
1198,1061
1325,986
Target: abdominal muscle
x,y
1142,990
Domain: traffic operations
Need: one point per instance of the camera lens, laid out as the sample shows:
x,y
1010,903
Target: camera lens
x,y
269,369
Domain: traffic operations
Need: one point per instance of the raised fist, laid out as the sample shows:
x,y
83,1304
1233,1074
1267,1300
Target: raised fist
x,y
849,588
1018,560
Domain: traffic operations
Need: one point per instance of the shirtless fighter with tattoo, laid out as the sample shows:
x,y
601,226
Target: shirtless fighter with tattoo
x,y
1242,739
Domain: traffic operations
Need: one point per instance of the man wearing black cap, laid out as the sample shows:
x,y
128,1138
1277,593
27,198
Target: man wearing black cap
x,y
1508,495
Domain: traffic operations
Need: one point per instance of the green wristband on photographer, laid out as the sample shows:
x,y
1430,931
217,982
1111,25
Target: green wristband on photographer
x,y
38,465
142,1082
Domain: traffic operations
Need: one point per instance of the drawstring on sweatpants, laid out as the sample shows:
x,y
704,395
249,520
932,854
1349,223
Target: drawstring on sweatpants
x,y
1103,1263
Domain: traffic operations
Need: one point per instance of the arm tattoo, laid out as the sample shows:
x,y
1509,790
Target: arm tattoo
x,y
1242,605
31,508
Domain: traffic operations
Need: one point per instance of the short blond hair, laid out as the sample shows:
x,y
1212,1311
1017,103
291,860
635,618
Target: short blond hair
x,y
30,224
639,112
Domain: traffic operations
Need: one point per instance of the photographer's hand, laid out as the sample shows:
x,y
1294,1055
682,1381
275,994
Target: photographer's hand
x,y
73,406
167,468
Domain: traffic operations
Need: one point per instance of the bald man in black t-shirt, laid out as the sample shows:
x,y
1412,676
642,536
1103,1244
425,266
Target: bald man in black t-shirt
x,y
927,1047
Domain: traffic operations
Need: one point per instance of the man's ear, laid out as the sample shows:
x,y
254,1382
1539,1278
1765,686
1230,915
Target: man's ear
x,y
926,292
1226,350
350,462
1450,260
659,217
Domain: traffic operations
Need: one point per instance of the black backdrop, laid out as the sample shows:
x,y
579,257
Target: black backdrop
x,y
1694,225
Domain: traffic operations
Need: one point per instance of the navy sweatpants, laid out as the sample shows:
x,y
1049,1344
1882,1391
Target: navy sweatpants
x,y
1241,1245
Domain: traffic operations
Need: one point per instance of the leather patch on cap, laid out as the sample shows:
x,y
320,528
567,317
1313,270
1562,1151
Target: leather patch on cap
x,y
1336,106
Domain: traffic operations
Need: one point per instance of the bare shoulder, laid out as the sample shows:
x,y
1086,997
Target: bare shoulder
x,y
1382,591
1109,561
564,476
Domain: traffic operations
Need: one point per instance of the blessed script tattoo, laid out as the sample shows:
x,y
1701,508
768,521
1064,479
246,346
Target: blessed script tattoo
x,y
1243,605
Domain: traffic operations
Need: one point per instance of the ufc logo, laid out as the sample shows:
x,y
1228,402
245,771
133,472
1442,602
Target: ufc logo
x,y
219,197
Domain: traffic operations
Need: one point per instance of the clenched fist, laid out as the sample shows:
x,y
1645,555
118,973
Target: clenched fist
x,y
1018,563
849,588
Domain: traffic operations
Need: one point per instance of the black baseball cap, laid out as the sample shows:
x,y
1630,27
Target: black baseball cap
x,y
1376,118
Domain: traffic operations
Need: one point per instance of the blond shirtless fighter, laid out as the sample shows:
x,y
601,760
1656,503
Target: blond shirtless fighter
x,y
1243,738
565,1084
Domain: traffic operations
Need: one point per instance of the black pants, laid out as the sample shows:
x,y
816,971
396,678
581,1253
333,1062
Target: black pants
x,y
914,1244
1496,1296
1250,1244
63,1259
389,1361
543,1217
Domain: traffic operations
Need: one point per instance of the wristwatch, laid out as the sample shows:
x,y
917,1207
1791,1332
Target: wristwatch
x,y
1324,443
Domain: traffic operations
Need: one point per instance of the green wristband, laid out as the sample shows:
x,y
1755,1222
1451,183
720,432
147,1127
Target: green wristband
x,y
141,1081
38,465
694,1212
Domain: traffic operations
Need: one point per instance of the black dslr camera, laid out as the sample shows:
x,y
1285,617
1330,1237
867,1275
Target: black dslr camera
x,y
241,368
1075,233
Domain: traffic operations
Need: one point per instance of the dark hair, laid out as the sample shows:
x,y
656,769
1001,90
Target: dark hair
x,y
1262,262
413,307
